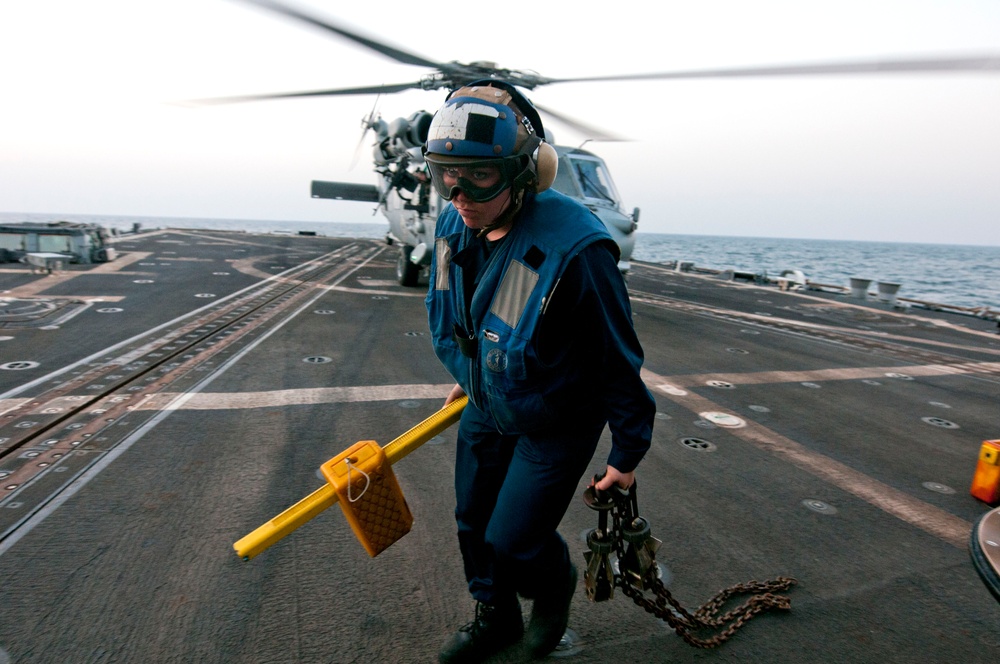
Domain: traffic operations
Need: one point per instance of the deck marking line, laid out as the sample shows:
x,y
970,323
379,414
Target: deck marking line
x,y
818,302
933,520
298,397
103,461
148,333
814,375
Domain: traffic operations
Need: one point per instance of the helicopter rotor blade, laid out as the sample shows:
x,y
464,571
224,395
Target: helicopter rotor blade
x,y
590,131
366,90
985,64
397,54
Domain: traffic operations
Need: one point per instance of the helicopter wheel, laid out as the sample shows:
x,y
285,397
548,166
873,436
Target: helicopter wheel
x,y
406,272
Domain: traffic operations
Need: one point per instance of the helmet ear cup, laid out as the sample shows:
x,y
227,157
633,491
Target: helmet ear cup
x,y
546,165
540,163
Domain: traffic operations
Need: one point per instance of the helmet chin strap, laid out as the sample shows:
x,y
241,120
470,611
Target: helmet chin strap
x,y
506,216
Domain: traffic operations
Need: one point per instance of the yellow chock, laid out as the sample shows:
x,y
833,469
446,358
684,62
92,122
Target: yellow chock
x,y
986,481
369,495
364,460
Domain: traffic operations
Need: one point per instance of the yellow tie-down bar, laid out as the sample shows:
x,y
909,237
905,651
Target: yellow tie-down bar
x,y
326,496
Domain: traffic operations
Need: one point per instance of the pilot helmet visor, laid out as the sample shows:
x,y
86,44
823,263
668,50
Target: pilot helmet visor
x,y
480,180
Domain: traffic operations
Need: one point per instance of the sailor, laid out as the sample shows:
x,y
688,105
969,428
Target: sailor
x,y
530,314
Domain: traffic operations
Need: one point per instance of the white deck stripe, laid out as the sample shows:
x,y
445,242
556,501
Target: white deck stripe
x,y
309,396
928,518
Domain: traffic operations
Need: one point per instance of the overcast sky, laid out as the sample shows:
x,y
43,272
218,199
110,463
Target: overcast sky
x,y
86,125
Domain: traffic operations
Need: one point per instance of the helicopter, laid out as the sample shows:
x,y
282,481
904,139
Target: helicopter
x,y
403,193
411,205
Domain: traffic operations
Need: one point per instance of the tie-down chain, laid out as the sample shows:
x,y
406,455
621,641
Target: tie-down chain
x,y
636,572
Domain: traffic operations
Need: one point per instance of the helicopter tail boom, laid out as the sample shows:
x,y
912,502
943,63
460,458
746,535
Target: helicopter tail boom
x,y
345,191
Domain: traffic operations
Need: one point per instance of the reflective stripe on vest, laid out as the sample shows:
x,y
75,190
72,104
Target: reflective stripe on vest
x,y
443,254
515,290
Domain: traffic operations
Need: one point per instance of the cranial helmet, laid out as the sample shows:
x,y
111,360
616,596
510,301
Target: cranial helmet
x,y
489,123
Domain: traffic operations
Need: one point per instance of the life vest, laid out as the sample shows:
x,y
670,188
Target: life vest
x,y
490,350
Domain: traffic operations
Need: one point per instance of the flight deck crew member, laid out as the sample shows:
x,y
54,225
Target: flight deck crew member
x,y
529,313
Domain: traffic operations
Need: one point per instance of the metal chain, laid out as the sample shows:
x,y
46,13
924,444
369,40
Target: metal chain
x,y
682,621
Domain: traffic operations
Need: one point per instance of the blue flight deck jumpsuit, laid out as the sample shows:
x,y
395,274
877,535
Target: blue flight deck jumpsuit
x,y
545,369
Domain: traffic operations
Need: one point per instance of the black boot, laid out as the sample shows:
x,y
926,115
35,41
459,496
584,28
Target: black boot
x,y
494,629
550,616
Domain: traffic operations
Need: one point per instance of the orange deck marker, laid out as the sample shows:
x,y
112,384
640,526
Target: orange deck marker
x,y
986,481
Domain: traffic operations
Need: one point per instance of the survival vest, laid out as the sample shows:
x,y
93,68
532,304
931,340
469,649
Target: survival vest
x,y
490,349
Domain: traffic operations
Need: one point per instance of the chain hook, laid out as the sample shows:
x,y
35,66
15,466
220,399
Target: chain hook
x,y
638,563
630,539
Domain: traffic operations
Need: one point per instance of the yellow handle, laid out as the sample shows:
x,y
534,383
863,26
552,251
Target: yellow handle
x,y
325,496
399,447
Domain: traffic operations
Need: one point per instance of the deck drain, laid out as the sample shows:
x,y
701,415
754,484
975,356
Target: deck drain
x,y
317,359
813,386
380,297
324,312
750,331
721,384
110,310
939,488
760,409
819,506
938,404
663,416
899,376
667,388
738,351
409,403
414,334
20,365
205,295
698,445
723,420
869,381
938,422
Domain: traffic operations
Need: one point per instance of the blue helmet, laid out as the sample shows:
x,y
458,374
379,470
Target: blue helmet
x,y
473,127
486,120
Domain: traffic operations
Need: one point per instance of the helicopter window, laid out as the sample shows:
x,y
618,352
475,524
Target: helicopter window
x,y
593,179
565,182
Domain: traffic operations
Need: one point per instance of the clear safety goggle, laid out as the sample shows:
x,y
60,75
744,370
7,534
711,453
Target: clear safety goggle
x,y
481,181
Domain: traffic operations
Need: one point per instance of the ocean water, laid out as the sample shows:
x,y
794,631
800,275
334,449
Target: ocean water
x,y
956,275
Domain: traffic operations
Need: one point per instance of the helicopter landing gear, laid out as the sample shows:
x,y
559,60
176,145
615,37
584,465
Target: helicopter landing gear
x,y
406,272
